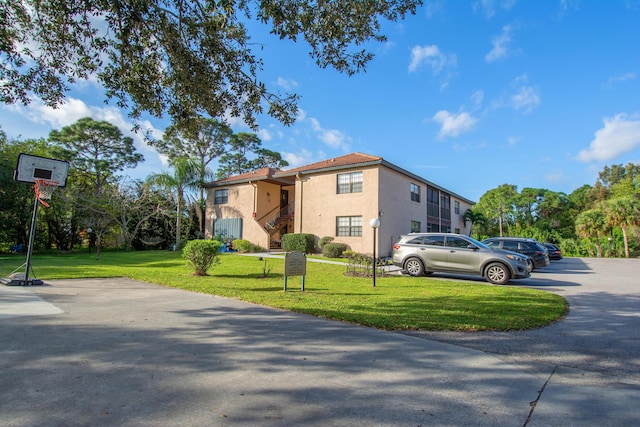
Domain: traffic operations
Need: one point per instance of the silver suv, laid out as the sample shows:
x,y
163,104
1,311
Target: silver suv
x,y
426,253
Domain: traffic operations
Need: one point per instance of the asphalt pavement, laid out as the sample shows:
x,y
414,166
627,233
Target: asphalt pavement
x,y
118,352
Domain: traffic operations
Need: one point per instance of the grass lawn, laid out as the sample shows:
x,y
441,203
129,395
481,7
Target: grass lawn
x,y
395,302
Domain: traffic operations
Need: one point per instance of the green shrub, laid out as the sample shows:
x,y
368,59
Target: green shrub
x,y
349,253
300,242
245,246
201,255
324,241
241,245
333,250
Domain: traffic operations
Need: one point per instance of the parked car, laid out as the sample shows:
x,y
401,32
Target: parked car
x,y
427,253
554,251
537,253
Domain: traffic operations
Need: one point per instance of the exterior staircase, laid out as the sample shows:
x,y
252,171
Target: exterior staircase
x,y
274,221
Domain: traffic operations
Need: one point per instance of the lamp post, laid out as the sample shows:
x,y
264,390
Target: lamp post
x,y
374,223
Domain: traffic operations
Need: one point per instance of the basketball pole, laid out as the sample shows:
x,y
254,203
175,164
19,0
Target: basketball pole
x,y
25,281
32,235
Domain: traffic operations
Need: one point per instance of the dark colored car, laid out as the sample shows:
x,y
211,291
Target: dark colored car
x,y
554,251
426,253
537,253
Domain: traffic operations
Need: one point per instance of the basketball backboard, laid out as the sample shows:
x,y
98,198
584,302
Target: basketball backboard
x,y
31,167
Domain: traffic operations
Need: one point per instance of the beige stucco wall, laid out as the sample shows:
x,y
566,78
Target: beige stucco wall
x,y
318,205
398,209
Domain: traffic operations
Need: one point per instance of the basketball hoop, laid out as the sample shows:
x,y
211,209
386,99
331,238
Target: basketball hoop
x,y
44,189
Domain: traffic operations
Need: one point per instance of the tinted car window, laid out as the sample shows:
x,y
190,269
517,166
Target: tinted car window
x,y
434,240
416,241
456,242
539,247
510,246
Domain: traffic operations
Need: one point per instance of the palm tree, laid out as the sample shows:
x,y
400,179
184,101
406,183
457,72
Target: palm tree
x,y
185,176
474,217
592,223
623,212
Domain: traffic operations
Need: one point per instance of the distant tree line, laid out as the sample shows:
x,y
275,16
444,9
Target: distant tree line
x,y
599,220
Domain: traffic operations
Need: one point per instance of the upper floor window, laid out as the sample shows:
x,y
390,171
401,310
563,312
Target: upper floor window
x,y
432,227
350,182
415,226
415,193
445,206
349,226
221,197
456,207
433,202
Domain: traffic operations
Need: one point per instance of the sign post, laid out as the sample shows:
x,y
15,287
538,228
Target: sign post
x,y
295,264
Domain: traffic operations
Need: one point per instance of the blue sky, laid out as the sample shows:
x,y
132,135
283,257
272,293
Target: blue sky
x,y
469,95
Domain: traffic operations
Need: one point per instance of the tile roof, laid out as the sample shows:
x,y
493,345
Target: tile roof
x,y
353,159
258,174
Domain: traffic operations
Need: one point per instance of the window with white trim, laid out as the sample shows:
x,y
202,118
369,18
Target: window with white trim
x,y
350,182
350,226
415,193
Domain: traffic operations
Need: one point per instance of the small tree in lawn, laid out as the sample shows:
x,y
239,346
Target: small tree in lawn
x,y
202,255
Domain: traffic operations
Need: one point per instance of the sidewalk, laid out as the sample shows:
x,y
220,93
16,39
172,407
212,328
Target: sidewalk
x,y
125,353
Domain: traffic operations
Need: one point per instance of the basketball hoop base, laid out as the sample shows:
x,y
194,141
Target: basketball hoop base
x,y
21,282
18,279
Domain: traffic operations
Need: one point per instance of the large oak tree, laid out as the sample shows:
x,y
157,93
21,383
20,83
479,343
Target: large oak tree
x,y
182,58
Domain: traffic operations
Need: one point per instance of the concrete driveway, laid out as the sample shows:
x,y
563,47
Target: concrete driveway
x,y
598,343
126,353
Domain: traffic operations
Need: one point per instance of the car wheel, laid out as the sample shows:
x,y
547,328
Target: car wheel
x,y
497,274
533,264
414,267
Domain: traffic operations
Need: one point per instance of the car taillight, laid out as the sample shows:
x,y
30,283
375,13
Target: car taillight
x,y
396,247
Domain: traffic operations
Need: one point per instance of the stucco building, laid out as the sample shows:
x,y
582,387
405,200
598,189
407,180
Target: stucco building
x,y
336,197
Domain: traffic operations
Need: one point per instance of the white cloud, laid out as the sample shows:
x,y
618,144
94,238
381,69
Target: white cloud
x,y
500,45
454,124
526,99
477,97
486,6
265,135
315,124
302,158
287,84
431,56
74,109
620,134
331,137
620,79
433,7
513,140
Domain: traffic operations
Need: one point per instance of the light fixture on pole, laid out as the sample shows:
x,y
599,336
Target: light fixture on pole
x,y
374,223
